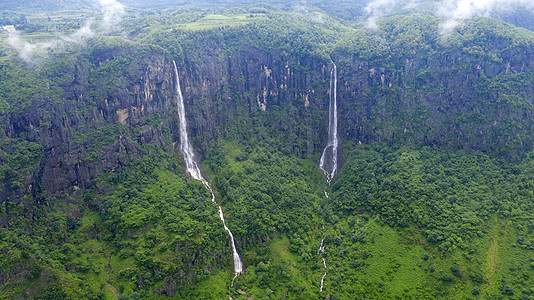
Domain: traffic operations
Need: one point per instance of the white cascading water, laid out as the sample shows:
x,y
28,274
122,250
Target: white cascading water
x,y
321,251
194,170
328,162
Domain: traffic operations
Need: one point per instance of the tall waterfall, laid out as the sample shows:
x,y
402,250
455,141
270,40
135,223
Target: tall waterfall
x,y
328,162
192,166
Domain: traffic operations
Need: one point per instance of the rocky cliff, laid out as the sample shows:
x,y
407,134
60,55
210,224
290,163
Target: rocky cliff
x,y
98,110
435,94
115,100
101,120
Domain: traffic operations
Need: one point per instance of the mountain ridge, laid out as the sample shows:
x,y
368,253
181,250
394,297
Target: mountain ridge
x,y
92,181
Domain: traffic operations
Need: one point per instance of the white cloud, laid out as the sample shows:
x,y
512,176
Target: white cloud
x,y
376,10
113,12
84,32
30,52
25,49
456,10
315,17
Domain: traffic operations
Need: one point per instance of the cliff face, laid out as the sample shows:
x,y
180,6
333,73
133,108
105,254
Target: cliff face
x,y
220,88
452,98
93,127
456,101
116,104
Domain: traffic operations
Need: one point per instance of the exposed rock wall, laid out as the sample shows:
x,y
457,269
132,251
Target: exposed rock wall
x,y
419,100
92,129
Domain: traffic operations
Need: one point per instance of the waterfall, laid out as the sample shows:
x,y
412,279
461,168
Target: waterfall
x,y
328,162
194,170
321,251
324,275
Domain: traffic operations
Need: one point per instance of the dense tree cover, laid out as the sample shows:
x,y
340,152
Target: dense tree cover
x,y
298,32
410,84
417,222
21,86
270,199
8,18
430,223
447,195
399,222
150,223
267,189
20,157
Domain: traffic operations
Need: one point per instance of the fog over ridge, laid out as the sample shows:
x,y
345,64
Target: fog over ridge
x,y
453,11
112,12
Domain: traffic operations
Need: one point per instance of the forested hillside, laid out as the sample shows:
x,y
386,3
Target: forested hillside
x,y
433,200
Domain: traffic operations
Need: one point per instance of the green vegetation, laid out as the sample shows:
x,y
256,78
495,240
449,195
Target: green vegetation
x,y
271,199
218,21
471,214
150,225
434,200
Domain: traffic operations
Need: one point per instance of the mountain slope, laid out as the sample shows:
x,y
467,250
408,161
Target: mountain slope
x,y
433,199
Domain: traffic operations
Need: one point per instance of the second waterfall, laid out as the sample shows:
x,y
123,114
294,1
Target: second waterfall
x,y
193,168
328,162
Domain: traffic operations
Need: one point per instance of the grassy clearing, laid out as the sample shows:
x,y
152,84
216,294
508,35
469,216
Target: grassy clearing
x,y
383,261
508,266
214,287
398,263
394,261
289,276
216,21
492,259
